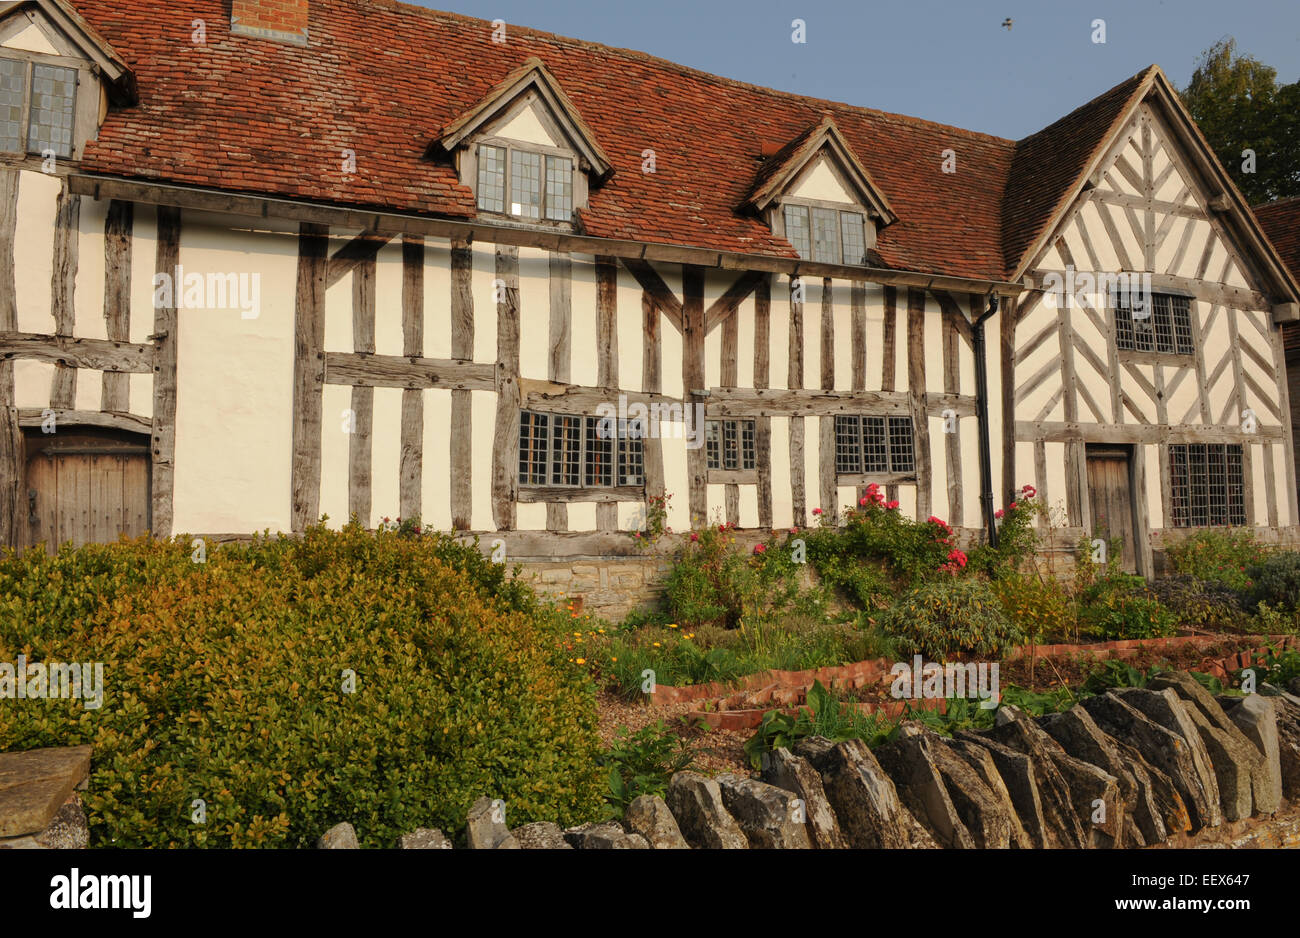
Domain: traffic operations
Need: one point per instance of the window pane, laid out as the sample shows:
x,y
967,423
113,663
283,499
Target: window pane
x,y
1198,474
855,251
566,452
1124,328
1205,484
54,92
599,468
13,79
875,446
525,184
1236,491
532,448
492,179
1181,312
826,235
747,460
631,457
1179,493
848,444
796,230
730,445
1162,325
559,188
713,443
900,445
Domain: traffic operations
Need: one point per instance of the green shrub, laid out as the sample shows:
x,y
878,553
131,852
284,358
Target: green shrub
x,y
1222,557
948,616
881,540
1041,607
1017,537
224,682
1276,580
713,583
642,763
1120,606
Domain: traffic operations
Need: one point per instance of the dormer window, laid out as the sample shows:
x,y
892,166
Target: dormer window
x,y
525,150
524,183
37,107
814,193
825,235
57,77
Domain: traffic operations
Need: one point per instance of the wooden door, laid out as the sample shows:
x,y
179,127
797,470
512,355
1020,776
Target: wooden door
x,y
1110,498
85,488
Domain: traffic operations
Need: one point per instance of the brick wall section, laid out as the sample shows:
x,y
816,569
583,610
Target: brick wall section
x,y
270,19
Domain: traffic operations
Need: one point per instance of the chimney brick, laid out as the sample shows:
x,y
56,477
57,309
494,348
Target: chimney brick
x,y
278,20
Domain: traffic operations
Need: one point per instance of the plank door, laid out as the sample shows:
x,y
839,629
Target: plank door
x,y
1110,498
85,490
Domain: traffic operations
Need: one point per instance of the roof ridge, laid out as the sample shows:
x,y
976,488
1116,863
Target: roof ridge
x,y
556,38
1136,78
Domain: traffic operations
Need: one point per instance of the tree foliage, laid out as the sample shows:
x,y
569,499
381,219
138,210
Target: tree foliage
x,y
1239,105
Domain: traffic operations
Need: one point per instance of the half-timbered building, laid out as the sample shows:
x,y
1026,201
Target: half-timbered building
x,y
267,260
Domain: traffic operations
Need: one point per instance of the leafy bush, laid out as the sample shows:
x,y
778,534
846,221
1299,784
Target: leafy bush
x,y
1040,606
876,537
1222,557
1277,580
1017,537
642,763
712,583
1203,603
1120,606
224,681
949,616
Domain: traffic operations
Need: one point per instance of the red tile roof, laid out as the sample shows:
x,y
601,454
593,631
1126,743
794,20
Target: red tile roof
x,y
1281,223
384,79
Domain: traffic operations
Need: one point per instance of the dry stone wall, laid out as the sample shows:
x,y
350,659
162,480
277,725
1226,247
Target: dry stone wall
x,y
1168,764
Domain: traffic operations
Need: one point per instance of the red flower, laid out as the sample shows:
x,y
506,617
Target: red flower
x,y
892,505
794,530
1011,506
694,537
1029,491
957,557
759,548
999,513
817,511
862,501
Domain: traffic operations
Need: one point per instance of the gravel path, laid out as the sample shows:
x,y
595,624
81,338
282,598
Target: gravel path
x,y
719,751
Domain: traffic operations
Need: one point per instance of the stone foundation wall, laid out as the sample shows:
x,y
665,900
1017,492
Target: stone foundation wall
x,y
610,587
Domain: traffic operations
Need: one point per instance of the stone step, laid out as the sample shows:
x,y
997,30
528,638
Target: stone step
x,y
34,786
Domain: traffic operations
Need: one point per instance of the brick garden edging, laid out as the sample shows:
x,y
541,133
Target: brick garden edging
x,y
750,697
861,673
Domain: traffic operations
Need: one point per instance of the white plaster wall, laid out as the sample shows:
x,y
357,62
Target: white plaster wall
x,y
33,251
234,401
435,466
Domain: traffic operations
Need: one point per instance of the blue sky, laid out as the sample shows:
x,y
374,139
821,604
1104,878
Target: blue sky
x,y
944,60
